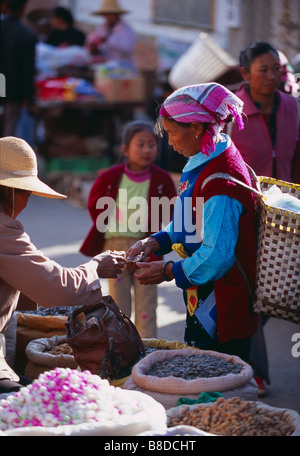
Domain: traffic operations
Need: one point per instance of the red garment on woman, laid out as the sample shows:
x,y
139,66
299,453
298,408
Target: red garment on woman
x,y
236,319
254,142
107,185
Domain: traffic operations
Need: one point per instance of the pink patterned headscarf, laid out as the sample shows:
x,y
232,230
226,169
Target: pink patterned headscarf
x,y
210,103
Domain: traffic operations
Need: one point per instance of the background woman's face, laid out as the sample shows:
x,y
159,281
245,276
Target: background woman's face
x,y
264,75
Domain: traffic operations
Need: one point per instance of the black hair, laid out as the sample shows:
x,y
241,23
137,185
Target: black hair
x,y
134,127
254,50
15,5
64,14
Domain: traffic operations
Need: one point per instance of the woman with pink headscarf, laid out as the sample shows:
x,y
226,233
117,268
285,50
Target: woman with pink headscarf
x,y
213,226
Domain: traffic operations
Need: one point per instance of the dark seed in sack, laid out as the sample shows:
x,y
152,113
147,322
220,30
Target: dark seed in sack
x,y
149,350
194,366
127,372
51,311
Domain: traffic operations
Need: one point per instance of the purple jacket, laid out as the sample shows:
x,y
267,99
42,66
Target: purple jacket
x,y
254,141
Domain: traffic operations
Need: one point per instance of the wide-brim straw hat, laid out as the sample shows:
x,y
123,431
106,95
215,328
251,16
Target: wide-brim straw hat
x,y
18,168
109,6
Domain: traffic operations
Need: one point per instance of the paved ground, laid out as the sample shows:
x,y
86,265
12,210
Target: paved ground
x,y
58,227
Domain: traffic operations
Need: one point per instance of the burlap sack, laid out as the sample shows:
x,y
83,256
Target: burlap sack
x,y
175,385
291,416
31,327
248,392
42,324
40,360
169,390
163,344
157,344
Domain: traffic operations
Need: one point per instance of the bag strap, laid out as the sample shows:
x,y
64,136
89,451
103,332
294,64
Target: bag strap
x,y
226,176
257,192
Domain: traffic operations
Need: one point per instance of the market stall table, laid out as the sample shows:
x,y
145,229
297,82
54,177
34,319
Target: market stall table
x,y
97,110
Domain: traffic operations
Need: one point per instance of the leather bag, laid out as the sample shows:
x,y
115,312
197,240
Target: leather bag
x,y
107,343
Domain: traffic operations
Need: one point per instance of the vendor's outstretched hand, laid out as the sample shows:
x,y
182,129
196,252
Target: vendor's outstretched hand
x,y
140,252
110,264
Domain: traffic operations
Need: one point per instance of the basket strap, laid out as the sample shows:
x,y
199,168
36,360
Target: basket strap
x,y
259,193
232,179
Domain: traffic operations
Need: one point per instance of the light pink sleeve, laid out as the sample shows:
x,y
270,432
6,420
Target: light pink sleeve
x,y
41,279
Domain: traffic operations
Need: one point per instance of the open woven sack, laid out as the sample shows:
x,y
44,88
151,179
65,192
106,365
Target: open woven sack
x,y
40,358
277,289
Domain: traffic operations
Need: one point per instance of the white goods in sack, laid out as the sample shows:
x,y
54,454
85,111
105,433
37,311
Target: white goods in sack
x,y
85,405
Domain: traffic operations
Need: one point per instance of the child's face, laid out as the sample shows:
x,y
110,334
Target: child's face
x,y
141,151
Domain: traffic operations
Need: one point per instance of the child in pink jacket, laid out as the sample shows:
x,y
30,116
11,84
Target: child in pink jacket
x,y
122,204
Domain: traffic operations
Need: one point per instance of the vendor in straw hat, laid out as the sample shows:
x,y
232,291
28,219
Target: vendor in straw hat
x,y
114,39
24,268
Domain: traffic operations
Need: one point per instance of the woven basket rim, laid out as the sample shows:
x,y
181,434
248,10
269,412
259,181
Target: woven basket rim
x,y
273,181
277,210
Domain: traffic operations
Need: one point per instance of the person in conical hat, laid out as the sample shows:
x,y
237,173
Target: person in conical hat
x,y
114,40
25,269
19,172
110,6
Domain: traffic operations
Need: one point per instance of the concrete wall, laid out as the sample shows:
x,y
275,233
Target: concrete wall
x,y
275,21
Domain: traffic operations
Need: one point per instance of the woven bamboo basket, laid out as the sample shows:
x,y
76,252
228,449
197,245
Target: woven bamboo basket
x,y
278,260
277,288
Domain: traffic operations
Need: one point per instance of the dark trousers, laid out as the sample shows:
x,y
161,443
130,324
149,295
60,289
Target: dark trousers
x,y
236,347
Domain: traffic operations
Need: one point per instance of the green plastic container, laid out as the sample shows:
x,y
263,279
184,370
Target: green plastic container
x,y
76,165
